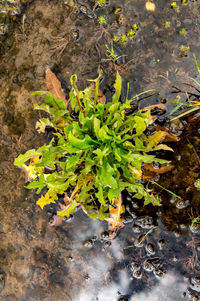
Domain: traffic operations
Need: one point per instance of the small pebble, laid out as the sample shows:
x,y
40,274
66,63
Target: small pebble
x,y
150,248
147,266
105,235
182,204
136,229
161,243
88,243
135,266
158,272
195,280
75,34
139,242
137,274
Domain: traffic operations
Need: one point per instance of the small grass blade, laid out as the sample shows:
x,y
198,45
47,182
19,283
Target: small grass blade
x,y
196,62
177,196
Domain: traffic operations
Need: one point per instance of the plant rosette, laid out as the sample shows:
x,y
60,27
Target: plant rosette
x,y
97,151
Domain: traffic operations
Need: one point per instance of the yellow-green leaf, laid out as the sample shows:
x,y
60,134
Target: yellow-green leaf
x,y
44,200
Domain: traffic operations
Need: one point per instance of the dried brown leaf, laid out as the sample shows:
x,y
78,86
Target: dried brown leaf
x,y
152,173
160,106
150,6
54,85
56,221
163,169
115,220
169,137
101,97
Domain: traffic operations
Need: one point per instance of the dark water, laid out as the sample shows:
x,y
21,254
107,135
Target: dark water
x,y
78,261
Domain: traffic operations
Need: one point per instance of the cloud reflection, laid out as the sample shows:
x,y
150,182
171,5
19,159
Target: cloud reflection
x,y
169,287
102,285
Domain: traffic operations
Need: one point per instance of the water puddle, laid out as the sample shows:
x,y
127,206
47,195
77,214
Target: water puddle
x,y
156,255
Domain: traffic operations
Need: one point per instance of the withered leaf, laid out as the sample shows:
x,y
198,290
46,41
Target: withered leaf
x,y
160,106
150,6
54,85
169,137
115,220
152,173
163,169
44,200
56,221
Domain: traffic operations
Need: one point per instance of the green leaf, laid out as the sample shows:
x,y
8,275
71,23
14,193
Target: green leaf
x,y
140,125
73,79
196,62
38,93
117,86
42,107
70,209
150,198
138,143
103,134
42,123
176,108
113,193
107,176
68,129
100,195
40,184
82,144
163,147
21,159
72,161
97,123
101,214
58,104
101,154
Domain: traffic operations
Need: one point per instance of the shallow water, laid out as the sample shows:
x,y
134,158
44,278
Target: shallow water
x,y
78,261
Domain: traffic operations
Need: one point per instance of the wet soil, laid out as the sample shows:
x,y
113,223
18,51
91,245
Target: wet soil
x,y
78,261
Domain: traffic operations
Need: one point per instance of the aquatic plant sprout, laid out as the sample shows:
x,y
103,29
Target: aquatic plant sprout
x,y
194,104
97,151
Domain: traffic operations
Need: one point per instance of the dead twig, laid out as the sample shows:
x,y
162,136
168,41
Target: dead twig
x,y
59,44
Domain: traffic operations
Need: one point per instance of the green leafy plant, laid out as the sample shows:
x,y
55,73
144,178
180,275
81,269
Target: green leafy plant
x,y
101,2
193,104
114,57
97,152
102,20
197,184
195,221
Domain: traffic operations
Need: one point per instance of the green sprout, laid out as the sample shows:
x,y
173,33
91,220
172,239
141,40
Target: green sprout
x,y
175,6
101,2
197,184
167,24
135,26
102,20
112,54
195,220
123,39
192,105
184,49
131,33
182,32
116,38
